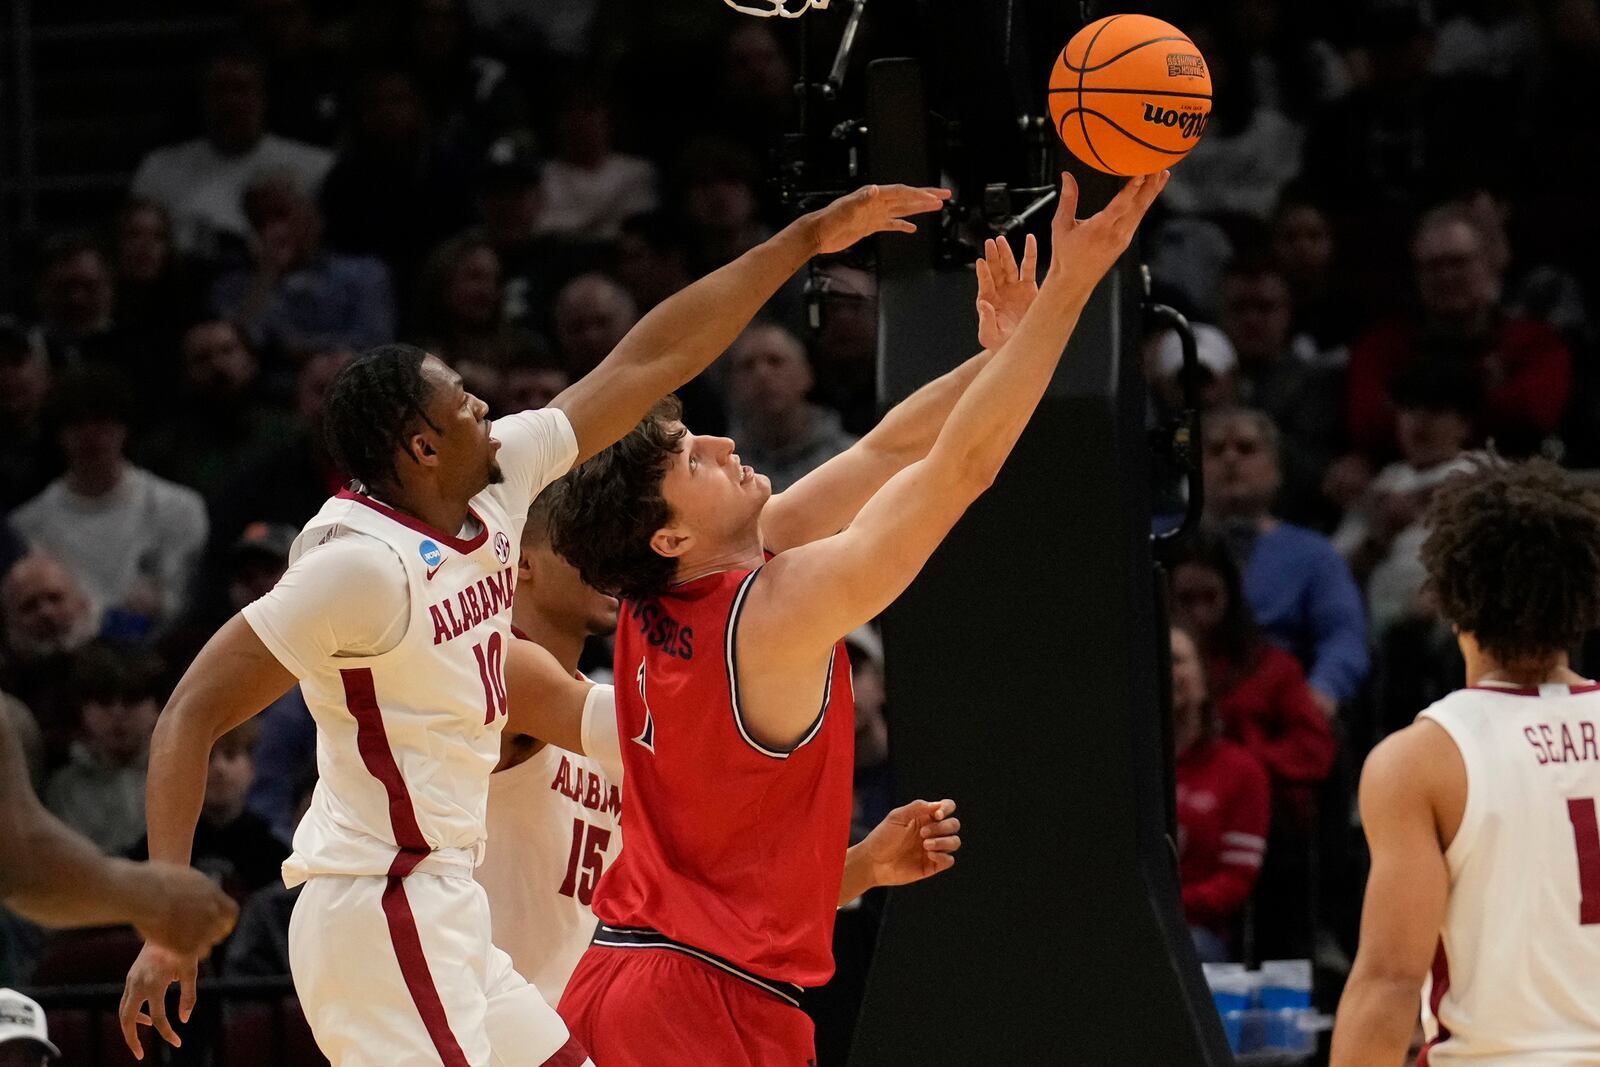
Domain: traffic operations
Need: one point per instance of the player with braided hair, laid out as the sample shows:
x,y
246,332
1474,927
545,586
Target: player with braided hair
x,y
394,617
1485,885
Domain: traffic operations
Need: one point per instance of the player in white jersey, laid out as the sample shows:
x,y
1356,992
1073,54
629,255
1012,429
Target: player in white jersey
x,y
1485,883
394,616
554,823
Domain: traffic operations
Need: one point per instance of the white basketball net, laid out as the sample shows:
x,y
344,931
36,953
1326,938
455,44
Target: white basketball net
x,y
789,9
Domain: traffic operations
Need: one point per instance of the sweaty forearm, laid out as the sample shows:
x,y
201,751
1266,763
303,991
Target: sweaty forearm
x,y
910,428
858,875
54,876
1376,1019
180,753
683,334
992,412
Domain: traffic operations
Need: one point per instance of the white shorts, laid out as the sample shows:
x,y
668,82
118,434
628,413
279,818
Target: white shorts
x,y
401,973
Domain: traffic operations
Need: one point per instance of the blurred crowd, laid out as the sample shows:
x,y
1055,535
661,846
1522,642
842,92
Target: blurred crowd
x,y
1382,237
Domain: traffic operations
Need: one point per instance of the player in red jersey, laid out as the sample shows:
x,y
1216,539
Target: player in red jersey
x,y
733,691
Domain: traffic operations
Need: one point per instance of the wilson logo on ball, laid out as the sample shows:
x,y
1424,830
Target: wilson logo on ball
x,y
1190,124
1180,65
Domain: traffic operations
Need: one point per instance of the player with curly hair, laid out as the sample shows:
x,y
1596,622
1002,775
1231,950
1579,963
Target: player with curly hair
x,y
1485,885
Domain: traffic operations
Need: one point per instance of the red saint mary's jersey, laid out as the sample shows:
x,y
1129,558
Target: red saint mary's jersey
x,y
732,848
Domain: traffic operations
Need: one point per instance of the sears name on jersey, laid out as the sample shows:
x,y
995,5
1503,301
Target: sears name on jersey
x,y
484,599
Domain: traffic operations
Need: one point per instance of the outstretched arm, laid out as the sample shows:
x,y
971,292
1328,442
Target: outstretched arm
x,y
811,597
826,500
542,700
682,336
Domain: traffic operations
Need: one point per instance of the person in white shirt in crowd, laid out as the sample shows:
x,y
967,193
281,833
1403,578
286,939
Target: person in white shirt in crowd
x,y
132,539
1382,534
201,182
589,187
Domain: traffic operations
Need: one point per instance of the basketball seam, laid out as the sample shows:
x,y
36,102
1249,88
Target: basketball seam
x,y
1125,52
1103,117
1147,92
1083,125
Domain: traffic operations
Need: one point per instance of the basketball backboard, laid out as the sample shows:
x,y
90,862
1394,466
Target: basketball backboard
x,y
788,9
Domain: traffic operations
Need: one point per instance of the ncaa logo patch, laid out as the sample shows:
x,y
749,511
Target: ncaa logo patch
x,y
502,546
431,553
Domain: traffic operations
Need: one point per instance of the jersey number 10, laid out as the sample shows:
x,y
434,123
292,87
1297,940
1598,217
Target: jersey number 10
x,y
1586,834
492,669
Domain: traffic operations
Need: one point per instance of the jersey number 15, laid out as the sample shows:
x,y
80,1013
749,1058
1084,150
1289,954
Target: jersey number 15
x,y
588,852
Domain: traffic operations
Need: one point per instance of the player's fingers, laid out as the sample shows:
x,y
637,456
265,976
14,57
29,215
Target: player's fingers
x,y
186,992
1008,259
1123,203
899,226
1067,208
1030,259
131,1018
943,828
940,845
940,861
158,1018
985,280
944,809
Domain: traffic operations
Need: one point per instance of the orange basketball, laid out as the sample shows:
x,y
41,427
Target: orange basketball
x,y
1130,94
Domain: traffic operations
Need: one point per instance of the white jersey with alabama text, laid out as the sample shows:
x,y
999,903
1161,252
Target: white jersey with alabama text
x,y
407,737
1516,978
554,826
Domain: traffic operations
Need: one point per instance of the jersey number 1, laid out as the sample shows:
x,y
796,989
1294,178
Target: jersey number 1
x,y
1586,833
492,669
588,844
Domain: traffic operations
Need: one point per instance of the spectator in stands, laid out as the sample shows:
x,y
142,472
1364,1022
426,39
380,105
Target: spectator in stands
x,y
222,424
132,539
719,202
510,199
231,843
533,385
1219,368
779,431
472,97
394,191
24,1034
1298,587
652,260
844,348
590,187
100,792
757,94
77,301
260,948
297,295
1259,692
592,314
1250,150
1525,365
201,183
46,618
1542,291
289,484
1305,252
1223,811
32,456
304,74
1303,399
874,793
461,306
1382,533
155,296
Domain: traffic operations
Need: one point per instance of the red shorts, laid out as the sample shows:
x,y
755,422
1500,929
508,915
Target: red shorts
x,y
656,1007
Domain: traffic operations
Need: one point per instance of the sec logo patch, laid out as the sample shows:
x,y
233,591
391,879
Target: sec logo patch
x,y
502,547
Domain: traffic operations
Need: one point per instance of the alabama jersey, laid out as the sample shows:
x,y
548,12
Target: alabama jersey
x,y
554,829
1514,974
734,849
407,737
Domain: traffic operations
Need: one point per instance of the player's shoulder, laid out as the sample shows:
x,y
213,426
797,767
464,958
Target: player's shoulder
x,y
1411,764
326,542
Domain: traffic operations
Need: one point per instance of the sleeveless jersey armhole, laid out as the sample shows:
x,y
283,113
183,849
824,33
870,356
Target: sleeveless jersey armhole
x,y
1472,811
732,652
